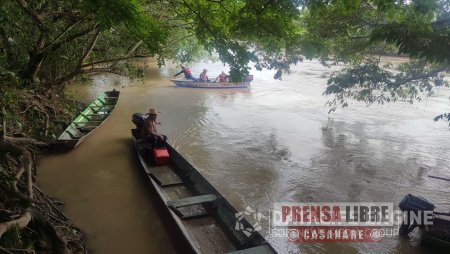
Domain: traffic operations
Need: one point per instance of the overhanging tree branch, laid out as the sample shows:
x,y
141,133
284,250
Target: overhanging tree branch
x,y
69,39
113,60
36,17
89,48
418,77
67,30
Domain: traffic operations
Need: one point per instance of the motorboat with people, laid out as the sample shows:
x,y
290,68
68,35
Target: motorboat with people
x,y
212,84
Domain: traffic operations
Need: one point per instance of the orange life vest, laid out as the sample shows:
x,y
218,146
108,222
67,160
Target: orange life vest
x,y
222,78
203,76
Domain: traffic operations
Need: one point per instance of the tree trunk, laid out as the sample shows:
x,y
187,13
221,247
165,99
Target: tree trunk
x,y
33,65
36,59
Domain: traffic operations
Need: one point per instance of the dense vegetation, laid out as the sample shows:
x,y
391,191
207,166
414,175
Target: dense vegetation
x,y
45,43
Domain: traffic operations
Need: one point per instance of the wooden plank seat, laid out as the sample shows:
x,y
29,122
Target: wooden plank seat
x,y
87,122
195,200
86,128
76,134
108,102
171,184
71,135
107,114
164,184
102,106
190,201
105,102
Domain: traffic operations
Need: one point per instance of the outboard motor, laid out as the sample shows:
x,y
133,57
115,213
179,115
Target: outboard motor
x,y
138,120
413,204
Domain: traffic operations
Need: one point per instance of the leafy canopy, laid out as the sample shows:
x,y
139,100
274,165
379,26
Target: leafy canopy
x,y
356,32
52,42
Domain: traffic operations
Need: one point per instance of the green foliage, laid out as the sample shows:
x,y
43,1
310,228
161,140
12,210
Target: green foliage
x,y
57,48
445,116
242,31
53,43
62,39
349,31
371,83
36,113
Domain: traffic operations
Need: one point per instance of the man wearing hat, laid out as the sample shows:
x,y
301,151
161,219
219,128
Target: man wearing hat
x,y
187,73
149,131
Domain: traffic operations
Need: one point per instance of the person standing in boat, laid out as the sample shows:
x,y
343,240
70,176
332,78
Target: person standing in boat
x,y
187,73
203,76
222,77
149,131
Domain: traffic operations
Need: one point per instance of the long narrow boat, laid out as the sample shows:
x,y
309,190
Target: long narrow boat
x,y
196,84
438,234
205,218
89,119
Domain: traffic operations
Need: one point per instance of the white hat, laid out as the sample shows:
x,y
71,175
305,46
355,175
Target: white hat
x,y
153,111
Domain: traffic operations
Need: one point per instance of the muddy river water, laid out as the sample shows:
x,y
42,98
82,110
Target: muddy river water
x,y
273,142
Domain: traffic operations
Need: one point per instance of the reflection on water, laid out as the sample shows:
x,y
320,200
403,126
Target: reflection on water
x,y
271,143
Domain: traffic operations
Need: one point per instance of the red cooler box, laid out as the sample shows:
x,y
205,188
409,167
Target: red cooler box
x,y
161,156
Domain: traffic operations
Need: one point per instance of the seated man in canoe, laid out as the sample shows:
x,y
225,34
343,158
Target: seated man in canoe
x,y
222,77
150,133
203,77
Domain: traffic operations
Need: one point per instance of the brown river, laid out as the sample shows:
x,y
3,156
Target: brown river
x,y
273,142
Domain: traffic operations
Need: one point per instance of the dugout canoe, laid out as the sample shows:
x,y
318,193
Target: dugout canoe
x,y
206,220
438,234
89,120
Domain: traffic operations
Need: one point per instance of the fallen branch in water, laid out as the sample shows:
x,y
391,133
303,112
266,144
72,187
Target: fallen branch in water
x,y
440,178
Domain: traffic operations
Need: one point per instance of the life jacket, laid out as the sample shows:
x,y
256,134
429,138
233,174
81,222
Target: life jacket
x,y
186,72
203,76
222,78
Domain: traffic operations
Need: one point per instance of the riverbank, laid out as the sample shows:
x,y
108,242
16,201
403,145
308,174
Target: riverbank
x,y
30,220
103,187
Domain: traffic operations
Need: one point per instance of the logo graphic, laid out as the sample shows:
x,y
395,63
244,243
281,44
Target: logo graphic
x,y
293,235
240,217
376,235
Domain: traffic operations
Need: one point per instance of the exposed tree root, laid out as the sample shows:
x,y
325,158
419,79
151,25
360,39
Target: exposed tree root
x,y
20,223
30,221
33,213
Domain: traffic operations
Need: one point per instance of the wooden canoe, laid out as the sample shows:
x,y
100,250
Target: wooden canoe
x,y
438,234
206,220
90,119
